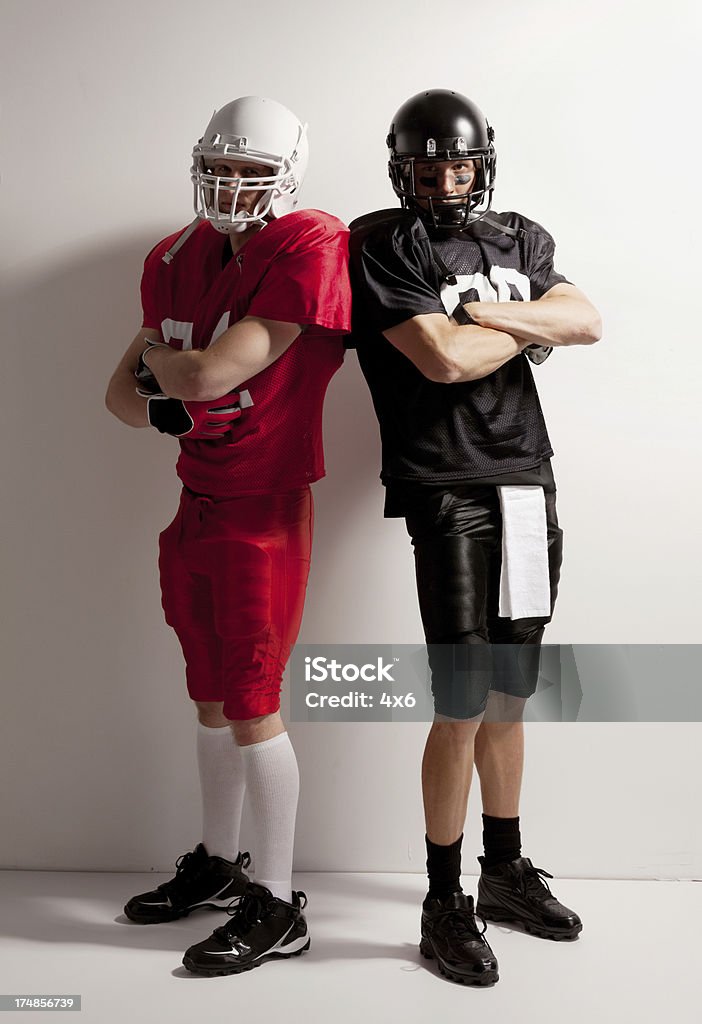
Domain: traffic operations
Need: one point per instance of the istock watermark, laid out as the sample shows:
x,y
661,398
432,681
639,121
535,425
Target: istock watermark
x,y
321,669
554,683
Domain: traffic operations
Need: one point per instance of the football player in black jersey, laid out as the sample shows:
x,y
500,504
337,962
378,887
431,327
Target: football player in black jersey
x,y
451,305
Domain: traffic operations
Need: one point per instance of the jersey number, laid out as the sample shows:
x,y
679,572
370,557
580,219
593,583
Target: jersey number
x,y
182,330
505,284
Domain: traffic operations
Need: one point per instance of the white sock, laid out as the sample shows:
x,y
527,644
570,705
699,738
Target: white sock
x,y
223,784
273,785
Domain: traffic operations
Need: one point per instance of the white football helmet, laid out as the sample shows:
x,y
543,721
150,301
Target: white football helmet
x,y
261,131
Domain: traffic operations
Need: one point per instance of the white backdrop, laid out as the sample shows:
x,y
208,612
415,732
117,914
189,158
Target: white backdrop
x,y
595,130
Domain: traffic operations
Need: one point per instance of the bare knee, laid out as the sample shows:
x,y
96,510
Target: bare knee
x,y
454,731
257,730
209,713
504,708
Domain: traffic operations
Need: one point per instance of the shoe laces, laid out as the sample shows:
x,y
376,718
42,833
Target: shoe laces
x,y
463,924
529,879
245,911
188,866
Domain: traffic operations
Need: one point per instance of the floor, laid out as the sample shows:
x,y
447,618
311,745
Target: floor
x,y
637,958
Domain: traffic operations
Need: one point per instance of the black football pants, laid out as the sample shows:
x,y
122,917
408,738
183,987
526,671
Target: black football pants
x,y
456,532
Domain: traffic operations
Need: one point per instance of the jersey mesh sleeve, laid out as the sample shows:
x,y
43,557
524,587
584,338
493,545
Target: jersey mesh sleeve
x,y
542,276
393,278
150,317
308,286
541,272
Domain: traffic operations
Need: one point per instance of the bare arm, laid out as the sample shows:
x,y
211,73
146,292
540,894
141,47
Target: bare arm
x,y
563,316
450,353
246,348
121,398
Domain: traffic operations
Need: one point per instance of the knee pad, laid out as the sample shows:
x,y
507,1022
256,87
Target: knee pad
x,y
461,671
242,587
516,663
452,586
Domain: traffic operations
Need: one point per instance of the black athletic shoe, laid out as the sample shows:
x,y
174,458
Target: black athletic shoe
x,y
514,893
450,933
200,881
262,928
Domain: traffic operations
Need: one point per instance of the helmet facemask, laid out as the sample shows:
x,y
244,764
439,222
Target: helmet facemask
x,y
441,211
261,132
440,126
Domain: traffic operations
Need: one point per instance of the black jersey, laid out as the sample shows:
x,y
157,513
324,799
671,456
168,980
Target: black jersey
x,y
443,433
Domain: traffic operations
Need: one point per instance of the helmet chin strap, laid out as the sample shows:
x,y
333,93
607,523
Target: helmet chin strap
x,y
227,229
451,213
259,215
180,241
236,227
441,214
224,227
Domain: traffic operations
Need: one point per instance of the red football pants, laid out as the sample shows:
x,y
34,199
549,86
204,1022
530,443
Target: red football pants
x,y
233,578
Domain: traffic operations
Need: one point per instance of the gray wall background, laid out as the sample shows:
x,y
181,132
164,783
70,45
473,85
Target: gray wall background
x,y
597,140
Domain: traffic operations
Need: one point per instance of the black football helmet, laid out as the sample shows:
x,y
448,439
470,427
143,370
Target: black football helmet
x,y
441,125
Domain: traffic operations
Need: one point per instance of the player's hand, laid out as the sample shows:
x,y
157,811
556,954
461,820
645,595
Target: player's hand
x,y
147,384
197,421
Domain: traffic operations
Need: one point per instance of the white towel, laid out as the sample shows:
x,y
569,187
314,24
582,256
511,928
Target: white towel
x,y
525,591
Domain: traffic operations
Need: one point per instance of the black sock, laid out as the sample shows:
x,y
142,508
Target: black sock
x,y
444,868
501,839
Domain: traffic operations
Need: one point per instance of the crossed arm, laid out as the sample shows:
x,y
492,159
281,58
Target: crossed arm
x,y
450,353
246,348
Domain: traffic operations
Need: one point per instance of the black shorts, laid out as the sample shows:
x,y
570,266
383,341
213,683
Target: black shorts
x,y
456,532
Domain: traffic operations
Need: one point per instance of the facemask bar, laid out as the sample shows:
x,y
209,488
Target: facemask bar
x,y
447,211
209,187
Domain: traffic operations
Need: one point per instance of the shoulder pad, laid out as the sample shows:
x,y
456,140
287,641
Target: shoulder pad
x,y
386,225
390,217
296,232
304,222
321,217
509,222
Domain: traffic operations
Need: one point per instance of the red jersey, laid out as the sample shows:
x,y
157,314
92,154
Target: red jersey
x,y
294,270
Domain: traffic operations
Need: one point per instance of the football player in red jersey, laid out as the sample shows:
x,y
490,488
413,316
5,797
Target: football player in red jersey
x,y
244,314
451,305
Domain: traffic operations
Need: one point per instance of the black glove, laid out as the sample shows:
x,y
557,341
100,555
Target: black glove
x,y
198,421
147,384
